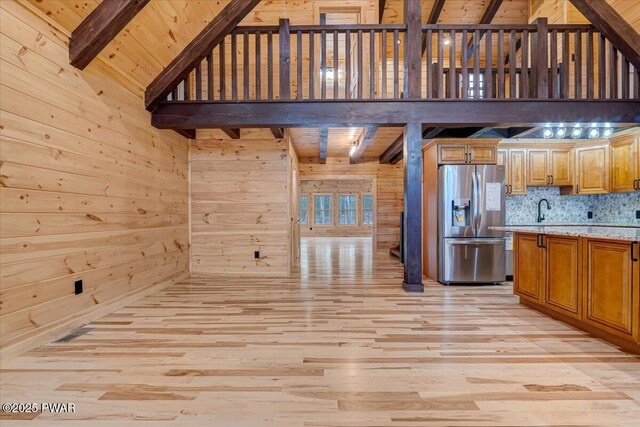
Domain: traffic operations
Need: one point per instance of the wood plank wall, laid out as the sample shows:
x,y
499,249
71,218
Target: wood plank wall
x,y
389,193
336,187
89,190
240,203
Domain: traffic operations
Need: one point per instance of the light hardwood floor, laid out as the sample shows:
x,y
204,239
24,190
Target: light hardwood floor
x,y
338,344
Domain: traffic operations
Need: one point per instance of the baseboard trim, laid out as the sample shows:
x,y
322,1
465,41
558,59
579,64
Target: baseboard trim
x,y
62,327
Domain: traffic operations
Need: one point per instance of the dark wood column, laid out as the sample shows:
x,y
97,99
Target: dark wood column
x,y
412,208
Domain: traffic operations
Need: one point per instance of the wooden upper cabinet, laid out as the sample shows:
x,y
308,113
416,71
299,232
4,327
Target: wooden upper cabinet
x,y
460,153
528,267
538,167
612,287
560,166
625,165
514,162
592,169
482,154
452,154
562,290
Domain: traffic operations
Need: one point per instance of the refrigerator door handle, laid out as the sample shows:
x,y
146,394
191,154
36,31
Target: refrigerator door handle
x,y
477,242
477,216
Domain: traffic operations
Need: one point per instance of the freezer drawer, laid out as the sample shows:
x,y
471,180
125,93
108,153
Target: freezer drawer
x,y
472,261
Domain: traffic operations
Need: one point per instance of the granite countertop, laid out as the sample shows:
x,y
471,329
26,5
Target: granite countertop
x,y
625,233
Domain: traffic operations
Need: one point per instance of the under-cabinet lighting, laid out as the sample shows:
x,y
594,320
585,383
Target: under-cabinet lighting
x,y
577,131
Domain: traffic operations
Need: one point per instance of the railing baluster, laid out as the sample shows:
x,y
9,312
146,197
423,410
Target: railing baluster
x,y
602,67
476,64
210,92
284,37
565,64
234,66
541,89
270,64
501,88
360,64
336,59
312,70
223,66
636,83
624,64
577,62
323,64
383,51
347,64
299,64
199,81
396,64
512,64
258,66
488,60
464,70
245,67
429,64
553,51
372,64
613,71
589,47
525,76
452,64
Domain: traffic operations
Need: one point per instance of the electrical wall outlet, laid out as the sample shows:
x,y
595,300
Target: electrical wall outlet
x,y
637,214
78,287
590,215
256,254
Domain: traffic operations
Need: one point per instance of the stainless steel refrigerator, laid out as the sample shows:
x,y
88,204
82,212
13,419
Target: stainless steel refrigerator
x,y
470,200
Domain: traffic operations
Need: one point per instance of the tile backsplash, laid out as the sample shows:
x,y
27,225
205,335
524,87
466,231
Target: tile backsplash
x,y
619,208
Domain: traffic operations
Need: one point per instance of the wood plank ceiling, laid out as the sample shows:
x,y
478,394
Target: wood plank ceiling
x,y
162,29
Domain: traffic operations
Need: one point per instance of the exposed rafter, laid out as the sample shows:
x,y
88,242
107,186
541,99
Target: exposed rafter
x,y
278,133
187,133
382,4
231,133
433,19
99,28
614,27
197,50
324,142
521,132
488,15
365,141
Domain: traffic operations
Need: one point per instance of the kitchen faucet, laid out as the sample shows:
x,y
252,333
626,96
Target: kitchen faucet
x,y
540,214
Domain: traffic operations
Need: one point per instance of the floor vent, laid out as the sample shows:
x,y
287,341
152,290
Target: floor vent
x,y
74,334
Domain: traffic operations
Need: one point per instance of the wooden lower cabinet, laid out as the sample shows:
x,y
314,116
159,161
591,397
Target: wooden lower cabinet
x,y
612,287
595,282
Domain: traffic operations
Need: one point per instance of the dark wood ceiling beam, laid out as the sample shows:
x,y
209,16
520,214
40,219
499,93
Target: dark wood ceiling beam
x,y
440,113
487,17
324,143
187,133
278,133
382,4
614,27
434,15
231,133
99,28
392,151
369,133
521,132
197,50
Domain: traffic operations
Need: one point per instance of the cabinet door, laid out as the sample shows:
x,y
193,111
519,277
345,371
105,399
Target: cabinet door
x,y
562,284
538,167
592,164
611,301
517,171
560,167
623,165
527,267
452,154
482,154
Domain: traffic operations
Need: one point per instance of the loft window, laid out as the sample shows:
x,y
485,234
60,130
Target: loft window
x,y
303,209
471,89
367,209
322,209
347,209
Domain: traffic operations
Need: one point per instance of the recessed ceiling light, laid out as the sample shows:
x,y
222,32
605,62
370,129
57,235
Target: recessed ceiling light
x,y
594,133
547,133
577,131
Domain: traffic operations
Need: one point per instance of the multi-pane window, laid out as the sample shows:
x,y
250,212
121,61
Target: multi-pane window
x,y
347,209
322,209
471,89
367,209
303,209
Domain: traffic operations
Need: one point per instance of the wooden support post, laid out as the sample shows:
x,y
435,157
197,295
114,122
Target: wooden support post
x,y
542,58
285,60
413,49
412,239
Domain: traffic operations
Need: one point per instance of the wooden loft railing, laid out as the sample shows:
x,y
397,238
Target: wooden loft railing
x,y
365,62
